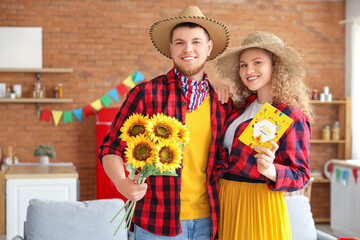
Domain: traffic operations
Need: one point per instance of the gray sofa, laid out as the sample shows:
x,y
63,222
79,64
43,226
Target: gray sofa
x,y
90,220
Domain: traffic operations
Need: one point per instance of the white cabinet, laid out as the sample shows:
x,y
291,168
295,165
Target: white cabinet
x,y
23,183
345,198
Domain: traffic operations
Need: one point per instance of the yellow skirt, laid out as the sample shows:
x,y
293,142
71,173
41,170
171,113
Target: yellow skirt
x,y
250,211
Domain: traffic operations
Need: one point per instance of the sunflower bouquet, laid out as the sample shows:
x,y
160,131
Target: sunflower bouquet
x,y
153,147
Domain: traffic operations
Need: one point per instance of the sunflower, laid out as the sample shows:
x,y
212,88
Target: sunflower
x,y
183,135
140,151
161,127
133,126
168,156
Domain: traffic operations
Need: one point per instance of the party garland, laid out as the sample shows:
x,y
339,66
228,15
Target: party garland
x,y
343,175
95,106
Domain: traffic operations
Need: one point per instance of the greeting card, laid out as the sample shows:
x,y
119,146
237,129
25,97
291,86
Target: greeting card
x,y
268,124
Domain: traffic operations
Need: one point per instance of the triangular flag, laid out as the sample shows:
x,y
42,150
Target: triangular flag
x,y
78,114
129,82
337,171
138,77
45,115
331,168
96,105
56,116
106,100
88,110
113,94
122,89
355,174
67,117
344,177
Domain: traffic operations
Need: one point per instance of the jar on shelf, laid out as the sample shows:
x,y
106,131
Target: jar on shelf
x,y
326,132
39,90
336,131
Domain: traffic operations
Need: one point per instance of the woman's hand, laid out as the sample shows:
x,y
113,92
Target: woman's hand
x,y
223,92
265,160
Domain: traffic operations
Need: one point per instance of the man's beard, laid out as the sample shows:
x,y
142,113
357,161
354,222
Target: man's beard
x,y
189,72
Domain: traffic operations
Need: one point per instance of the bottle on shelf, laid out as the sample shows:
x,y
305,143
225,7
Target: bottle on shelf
x,y
60,90
56,92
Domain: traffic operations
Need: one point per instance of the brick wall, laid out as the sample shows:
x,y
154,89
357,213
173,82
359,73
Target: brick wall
x,y
105,41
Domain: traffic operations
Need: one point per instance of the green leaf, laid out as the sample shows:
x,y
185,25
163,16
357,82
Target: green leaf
x,y
129,167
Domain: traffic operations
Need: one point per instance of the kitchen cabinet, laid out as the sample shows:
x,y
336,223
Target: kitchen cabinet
x,y
23,182
324,150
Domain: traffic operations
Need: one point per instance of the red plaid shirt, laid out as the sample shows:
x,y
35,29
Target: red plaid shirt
x,y
291,159
159,211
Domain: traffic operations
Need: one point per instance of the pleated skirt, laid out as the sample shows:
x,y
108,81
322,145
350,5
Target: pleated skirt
x,y
250,211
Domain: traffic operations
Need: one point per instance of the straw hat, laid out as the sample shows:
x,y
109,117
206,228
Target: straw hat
x,y
229,63
161,30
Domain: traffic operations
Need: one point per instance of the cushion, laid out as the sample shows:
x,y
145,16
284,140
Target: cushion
x,y
301,219
74,220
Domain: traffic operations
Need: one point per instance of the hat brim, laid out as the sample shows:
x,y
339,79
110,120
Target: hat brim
x,y
160,33
228,64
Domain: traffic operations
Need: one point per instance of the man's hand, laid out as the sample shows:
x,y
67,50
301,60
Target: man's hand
x,y
131,189
114,168
223,92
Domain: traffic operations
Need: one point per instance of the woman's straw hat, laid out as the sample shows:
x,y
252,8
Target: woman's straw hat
x,y
229,63
161,30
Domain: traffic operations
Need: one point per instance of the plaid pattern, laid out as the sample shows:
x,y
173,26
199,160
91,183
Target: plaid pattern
x,y
291,159
159,211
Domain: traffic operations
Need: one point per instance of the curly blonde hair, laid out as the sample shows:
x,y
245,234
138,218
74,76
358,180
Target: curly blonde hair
x,y
286,88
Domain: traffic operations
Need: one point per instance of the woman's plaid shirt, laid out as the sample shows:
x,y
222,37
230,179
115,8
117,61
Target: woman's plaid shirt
x,y
159,211
291,159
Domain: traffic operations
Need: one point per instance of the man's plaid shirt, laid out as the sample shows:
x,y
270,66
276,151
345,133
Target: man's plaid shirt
x,y
159,211
291,159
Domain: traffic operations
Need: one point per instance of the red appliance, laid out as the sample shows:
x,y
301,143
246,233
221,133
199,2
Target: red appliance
x,y
105,189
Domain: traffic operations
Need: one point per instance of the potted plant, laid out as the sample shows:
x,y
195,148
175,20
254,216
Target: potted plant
x,y
44,152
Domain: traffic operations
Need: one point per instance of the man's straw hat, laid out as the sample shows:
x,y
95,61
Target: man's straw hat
x,y
160,31
229,63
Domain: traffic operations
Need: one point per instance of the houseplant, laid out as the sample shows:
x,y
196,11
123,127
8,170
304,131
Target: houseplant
x,y
44,152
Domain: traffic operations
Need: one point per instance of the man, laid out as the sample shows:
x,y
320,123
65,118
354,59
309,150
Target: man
x,y
186,205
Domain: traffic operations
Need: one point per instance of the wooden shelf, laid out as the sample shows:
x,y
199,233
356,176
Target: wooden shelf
x,y
38,70
328,102
36,100
326,141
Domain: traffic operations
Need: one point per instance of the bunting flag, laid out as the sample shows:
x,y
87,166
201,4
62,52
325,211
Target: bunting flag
x,y
138,77
113,94
337,171
344,178
67,117
96,105
78,114
45,115
88,110
129,82
106,100
355,174
56,116
122,89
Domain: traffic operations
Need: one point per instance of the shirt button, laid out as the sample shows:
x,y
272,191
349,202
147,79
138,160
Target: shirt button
x,y
184,103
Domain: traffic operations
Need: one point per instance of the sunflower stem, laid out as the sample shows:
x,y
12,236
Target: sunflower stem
x,y
131,215
127,203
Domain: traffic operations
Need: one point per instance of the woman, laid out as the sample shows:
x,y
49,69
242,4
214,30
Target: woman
x,y
251,184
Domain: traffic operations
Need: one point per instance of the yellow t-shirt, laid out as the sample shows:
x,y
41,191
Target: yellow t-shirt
x,y
194,195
